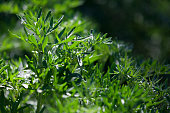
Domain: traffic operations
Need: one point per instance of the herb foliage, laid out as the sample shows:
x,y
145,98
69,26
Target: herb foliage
x,y
67,73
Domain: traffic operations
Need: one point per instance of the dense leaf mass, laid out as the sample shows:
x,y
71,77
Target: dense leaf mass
x,y
72,70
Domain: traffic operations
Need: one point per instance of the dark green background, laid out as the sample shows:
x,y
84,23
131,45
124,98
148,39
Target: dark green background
x,y
144,23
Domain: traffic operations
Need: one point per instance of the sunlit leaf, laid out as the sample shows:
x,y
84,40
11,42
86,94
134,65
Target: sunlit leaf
x,y
44,43
58,23
71,31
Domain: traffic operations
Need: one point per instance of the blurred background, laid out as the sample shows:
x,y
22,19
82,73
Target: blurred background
x,y
145,24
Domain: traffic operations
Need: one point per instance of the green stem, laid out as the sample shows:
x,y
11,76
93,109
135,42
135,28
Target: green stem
x,y
40,55
39,102
40,95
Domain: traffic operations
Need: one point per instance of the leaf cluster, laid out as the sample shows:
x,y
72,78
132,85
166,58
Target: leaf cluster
x,y
69,73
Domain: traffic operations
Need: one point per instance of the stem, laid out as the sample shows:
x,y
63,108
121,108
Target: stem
x,y
40,95
39,102
40,55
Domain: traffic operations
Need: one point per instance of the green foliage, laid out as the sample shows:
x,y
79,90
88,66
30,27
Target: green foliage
x,y
15,48
67,72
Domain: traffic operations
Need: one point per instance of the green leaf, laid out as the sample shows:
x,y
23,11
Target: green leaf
x,y
33,40
51,22
27,58
51,25
68,39
104,36
44,43
60,19
48,15
74,45
14,35
26,31
61,33
50,29
31,66
90,59
55,27
39,14
98,37
71,31
58,23
58,39
59,36
30,27
3,68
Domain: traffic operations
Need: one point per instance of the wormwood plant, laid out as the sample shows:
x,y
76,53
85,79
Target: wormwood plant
x,y
66,73
57,62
